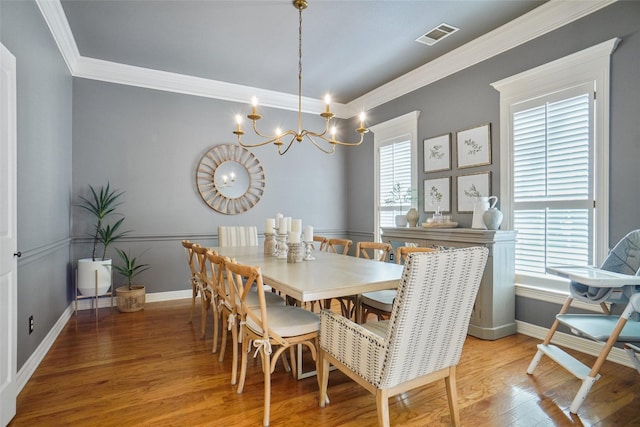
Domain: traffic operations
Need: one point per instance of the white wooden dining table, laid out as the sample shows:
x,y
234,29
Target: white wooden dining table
x,y
329,275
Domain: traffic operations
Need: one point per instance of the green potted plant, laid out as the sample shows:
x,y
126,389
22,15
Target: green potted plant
x,y
398,197
130,297
94,274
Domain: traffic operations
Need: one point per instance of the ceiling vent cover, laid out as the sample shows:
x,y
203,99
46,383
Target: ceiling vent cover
x,y
438,33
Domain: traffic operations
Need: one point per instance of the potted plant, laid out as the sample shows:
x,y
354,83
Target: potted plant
x,y
399,196
94,274
130,297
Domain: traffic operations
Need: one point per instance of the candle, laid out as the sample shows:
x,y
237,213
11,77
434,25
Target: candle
x,y
308,233
269,225
282,226
294,237
288,219
278,218
327,101
296,225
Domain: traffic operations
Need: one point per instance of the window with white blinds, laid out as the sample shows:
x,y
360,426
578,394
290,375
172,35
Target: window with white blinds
x,y
553,203
395,143
395,168
554,163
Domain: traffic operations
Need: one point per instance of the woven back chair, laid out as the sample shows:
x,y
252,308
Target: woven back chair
x,y
420,343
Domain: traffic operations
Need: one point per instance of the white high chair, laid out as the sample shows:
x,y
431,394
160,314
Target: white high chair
x,y
617,281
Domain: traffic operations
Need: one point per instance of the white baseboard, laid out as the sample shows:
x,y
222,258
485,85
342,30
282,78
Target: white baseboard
x,y
30,366
616,355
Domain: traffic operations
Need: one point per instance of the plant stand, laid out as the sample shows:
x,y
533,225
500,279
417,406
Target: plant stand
x,y
93,298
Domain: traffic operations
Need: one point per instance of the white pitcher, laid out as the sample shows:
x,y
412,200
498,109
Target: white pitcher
x,y
479,207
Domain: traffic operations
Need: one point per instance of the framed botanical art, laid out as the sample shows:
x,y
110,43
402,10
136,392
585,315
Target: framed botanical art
x,y
474,146
437,194
470,187
437,153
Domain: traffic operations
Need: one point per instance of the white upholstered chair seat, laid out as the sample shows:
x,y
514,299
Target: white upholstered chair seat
x,y
380,300
287,321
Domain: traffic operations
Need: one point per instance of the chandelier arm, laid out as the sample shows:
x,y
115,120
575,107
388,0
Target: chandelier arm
x,y
282,153
335,141
320,147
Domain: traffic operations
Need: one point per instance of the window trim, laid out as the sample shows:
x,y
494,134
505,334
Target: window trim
x,y
397,129
589,65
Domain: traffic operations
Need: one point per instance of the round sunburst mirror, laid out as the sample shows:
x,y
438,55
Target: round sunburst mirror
x,y
230,179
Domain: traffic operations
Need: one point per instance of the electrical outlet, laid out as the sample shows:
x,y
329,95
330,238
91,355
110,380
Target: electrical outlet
x,y
31,324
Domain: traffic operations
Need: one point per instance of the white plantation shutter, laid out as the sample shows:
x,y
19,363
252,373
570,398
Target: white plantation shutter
x,y
553,202
395,167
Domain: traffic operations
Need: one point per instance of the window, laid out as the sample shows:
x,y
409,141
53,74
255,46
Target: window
x,y
553,206
395,152
554,157
395,169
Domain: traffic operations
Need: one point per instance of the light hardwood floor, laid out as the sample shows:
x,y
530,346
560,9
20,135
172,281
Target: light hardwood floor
x,y
151,369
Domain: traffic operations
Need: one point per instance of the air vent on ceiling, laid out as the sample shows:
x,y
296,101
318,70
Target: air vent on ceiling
x,y
438,33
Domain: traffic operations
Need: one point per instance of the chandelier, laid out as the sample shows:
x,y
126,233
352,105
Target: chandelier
x,y
326,140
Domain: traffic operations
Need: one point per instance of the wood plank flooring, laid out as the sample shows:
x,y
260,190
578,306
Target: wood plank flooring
x,y
150,368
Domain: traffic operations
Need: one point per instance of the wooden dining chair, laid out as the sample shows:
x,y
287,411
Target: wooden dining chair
x,y
348,303
420,343
333,245
381,302
227,309
193,271
373,250
271,330
207,291
320,239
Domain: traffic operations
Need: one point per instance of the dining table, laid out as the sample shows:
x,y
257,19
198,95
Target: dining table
x,y
327,275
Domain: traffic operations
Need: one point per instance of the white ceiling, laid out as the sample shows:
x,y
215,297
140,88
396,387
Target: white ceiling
x,y
349,47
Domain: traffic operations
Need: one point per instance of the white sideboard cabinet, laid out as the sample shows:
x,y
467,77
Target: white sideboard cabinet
x,y
493,314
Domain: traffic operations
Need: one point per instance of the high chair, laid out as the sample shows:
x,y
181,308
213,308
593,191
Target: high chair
x,y
617,282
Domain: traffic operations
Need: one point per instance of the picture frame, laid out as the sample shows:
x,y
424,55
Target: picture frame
x,y
437,193
437,153
474,146
471,186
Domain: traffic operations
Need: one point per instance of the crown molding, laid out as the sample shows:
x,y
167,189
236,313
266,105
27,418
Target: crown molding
x,y
54,16
548,17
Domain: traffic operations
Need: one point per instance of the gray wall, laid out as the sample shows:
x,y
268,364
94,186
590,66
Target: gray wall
x,y
44,93
148,143
466,99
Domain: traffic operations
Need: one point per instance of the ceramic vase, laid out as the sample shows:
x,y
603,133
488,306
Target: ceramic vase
x,y
412,217
492,218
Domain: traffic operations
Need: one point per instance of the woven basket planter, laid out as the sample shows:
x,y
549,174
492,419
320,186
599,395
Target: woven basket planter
x,y
130,300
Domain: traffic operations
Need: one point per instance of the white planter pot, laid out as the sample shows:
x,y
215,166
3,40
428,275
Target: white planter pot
x,y
87,276
401,220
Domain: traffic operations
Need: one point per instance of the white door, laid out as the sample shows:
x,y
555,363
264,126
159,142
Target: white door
x,y
8,241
